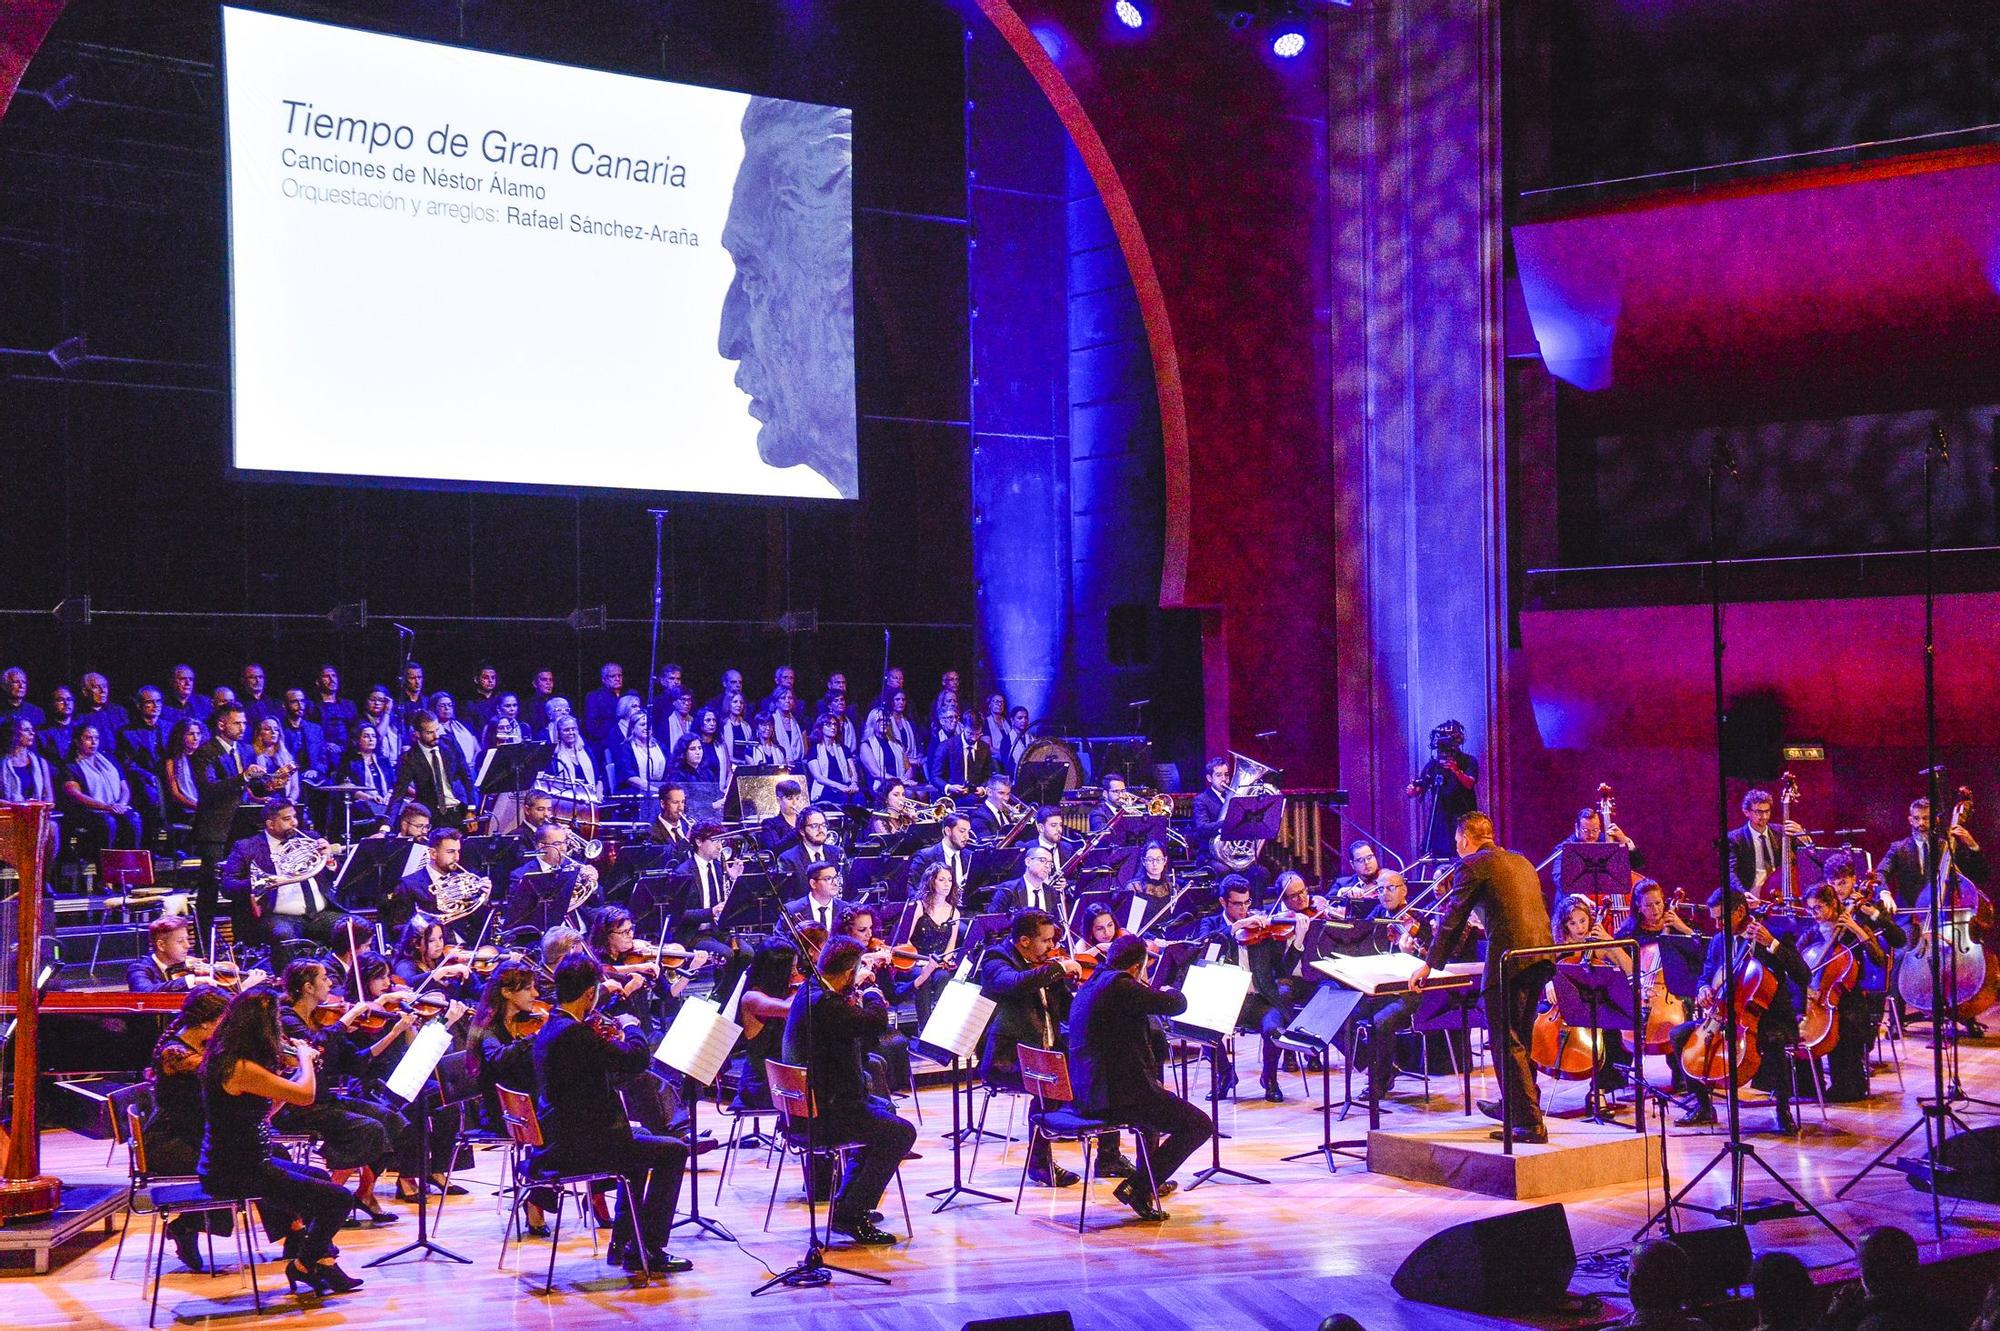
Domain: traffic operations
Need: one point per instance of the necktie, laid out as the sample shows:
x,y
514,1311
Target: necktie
x,y
437,773
823,912
813,855
951,861
707,887
230,761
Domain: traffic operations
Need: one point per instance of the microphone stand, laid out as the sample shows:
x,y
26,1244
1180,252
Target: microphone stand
x,y
659,595
811,1271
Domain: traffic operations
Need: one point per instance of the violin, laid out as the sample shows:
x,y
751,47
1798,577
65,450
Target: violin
x,y
528,1023
326,1015
488,957
605,1025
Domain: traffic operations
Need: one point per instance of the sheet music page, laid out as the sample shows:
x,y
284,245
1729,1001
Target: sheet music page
x,y
1370,974
736,997
431,1043
1215,996
1135,914
699,1041
958,1020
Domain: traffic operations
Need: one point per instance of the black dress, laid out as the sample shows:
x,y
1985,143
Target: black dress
x,y
177,1124
753,1086
236,1161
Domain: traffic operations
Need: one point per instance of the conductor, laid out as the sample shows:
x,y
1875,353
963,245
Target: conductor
x,y
1503,889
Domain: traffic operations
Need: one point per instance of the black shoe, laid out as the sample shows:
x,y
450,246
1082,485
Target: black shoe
x,y
1112,1165
1701,1117
1227,1087
662,1262
375,1212
1054,1177
1612,1079
1787,1126
864,1232
1523,1136
1146,1208
1274,1092
1491,1108
187,1247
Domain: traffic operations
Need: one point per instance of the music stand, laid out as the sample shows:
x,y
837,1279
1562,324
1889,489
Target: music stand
x,y
876,873
540,899
952,1034
508,769
407,1082
1252,818
1594,869
697,1046
369,872
1210,990
651,901
750,903
1315,1026
1595,998
1041,781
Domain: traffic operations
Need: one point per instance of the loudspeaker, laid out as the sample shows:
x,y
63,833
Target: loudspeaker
x,y
1752,730
1030,1322
1969,1166
1720,1256
1520,1260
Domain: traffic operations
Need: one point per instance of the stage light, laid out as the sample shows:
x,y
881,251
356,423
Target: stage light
x,y
1128,13
1288,43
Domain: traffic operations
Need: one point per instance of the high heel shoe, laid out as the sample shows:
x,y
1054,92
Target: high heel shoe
x,y
322,1280
375,1212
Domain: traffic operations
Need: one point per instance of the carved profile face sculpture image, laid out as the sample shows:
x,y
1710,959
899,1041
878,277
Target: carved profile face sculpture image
x,y
788,319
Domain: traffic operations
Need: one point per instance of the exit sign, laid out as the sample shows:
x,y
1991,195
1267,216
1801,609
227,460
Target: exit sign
x,y
1805,753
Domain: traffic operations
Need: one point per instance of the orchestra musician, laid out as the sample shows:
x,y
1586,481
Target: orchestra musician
x,y
538,809
413,828
552,856
1360,889
672,827
425,959
240,1083
417,893
953,850
815,845
1053,835
1777,1031
176,1125
1109,806
1907,866
767,1002
1153,878
1504,891
1576,919
1394,927
1845,916
290,905
578,1063
1209,806
503,723
1264,1008
934,932
168,965
1030,984
820,906
356,1136
826,1028
1036,889
1755,847
888,1057
700,890
780,832
1116,1051
995,815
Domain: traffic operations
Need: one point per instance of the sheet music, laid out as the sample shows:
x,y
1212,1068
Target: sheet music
x,y
958,1020
736,997
430,1044
1390,972
699,1041
1214,996
1135,914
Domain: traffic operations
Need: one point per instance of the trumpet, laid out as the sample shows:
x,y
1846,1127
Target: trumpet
x,y
1133,804
577,847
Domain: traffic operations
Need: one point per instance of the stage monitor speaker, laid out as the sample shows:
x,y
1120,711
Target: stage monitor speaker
x,y
1751,733
1720,1256
1521,1260
1969,1166
1061,1321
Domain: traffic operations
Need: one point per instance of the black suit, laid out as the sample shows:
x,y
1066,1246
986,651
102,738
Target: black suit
x,y
955,762
1012,895
1504,890
1907,868
142,753
220,786
985,822
922,862
1743,857
1207,819
144,976
410,896
802,908
795,863
307,741
841,1033
255,851
1033,1005
1264,1008
417,778
1115,1056
694,919
585,1126
776,835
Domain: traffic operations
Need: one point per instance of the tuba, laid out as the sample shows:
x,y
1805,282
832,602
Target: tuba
x,y
460,893
1246,777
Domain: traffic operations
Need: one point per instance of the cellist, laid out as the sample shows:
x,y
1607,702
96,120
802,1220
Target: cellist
x,y
1575,921
1845,916
1777,1031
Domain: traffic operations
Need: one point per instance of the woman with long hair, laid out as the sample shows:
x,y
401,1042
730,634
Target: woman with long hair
x,y
767,1000
178,791
934,933
421,949
500,1051
175,1127
241,1085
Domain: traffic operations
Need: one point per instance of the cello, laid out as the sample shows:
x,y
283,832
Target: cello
x,y
1836,970
1968,971
1566,1052
1705,1057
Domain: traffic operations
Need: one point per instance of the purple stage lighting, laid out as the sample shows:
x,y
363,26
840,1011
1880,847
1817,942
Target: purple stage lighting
x,y
1289,43
1128,13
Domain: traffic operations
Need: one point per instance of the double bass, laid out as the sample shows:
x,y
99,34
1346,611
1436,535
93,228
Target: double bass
x,y
1970,974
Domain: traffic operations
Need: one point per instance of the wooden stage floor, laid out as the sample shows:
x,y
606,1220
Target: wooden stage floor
x,y
1233,1255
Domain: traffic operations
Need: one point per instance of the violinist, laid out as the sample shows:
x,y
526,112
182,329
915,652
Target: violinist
x,y
888,1056
934,933
1300,905
1844,916
1576,920
380,1036
578,1062
1100,930
825,1028
240,1081
1778,1030
1030,981
356,1136
767,1001
1115,1070
1264,1007
1387,1016
1359,890
500,1049
168,964
637,965
425,960
174,1129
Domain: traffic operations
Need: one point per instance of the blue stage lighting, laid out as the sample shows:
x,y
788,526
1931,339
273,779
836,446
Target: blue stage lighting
x,y
1129,14
1289,43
